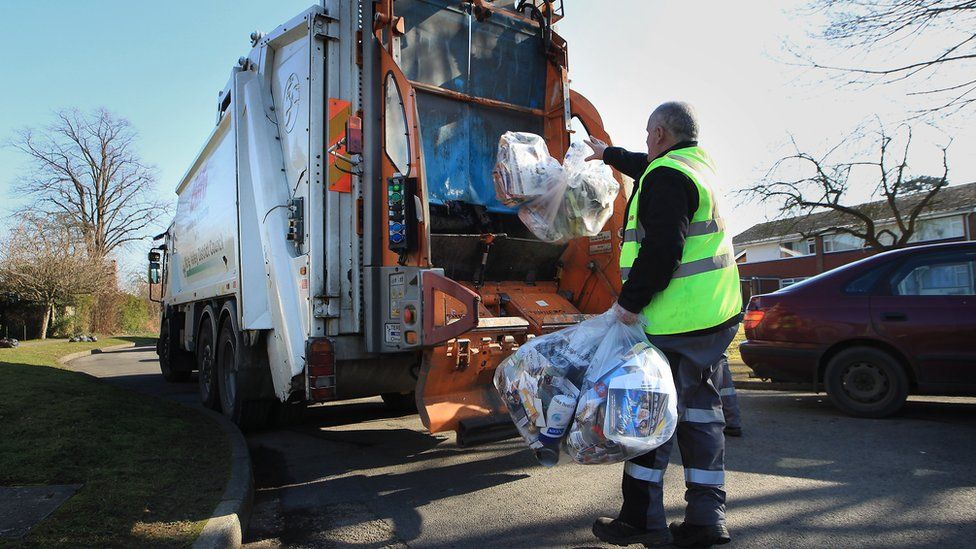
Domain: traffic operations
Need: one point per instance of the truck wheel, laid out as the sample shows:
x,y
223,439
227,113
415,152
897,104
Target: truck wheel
x,y
400,402
866,382
249,414
169,356
206,361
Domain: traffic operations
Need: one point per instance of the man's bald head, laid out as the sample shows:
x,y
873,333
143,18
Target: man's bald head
x,y
670,124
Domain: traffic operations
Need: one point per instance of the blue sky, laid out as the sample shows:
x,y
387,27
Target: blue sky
x,y
162,68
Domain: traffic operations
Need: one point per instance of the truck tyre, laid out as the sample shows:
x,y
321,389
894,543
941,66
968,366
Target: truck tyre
x,y
866,382
238,373
206,347
400,402
172,360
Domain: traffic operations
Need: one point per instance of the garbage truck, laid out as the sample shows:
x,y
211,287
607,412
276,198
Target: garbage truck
x,y
338,236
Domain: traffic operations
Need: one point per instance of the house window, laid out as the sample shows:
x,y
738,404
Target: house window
x,y
841,242
797,248
787,282
939,229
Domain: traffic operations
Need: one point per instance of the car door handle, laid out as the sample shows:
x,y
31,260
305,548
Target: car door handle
x,y
894,317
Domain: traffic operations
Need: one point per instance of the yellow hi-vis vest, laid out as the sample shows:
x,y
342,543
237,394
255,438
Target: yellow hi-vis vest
x,y
704,290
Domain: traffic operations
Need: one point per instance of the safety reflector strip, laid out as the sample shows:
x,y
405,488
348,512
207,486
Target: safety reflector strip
x,y
711,226
643,473
727,391
703,265
624,272
693,164
699,415
702,476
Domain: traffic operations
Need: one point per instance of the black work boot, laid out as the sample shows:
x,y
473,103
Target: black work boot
x,y
618,532
691,535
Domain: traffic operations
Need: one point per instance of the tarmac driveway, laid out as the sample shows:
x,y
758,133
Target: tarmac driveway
x,y
355,475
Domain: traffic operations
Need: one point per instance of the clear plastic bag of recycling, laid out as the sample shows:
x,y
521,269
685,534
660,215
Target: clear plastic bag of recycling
x,y
540,383
590,192
524,169
579,205
627,404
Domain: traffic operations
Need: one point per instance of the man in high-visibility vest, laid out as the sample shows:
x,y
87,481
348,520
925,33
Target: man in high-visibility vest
x,y
681,282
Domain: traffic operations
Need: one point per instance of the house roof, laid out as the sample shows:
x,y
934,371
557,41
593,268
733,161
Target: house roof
x,y
948,199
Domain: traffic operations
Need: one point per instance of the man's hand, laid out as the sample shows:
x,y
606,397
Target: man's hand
x,y
623,315
597,146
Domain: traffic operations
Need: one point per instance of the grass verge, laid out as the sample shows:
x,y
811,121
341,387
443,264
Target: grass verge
x,y
152,470
735,359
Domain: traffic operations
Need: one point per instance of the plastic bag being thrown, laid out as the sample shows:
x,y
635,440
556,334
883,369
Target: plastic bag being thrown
x,y
578,206
625,402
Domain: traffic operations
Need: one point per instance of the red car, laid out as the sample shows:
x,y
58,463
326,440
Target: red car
x,y
873,331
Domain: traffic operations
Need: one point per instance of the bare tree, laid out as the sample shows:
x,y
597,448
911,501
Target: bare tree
x,y
46,261
823,189
84,169
899,30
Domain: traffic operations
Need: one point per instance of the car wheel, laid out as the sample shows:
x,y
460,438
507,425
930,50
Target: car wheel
x,y
249,414
866,382
206,357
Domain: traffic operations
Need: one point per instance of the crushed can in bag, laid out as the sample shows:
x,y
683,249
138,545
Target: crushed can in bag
x,y
540,383
627,406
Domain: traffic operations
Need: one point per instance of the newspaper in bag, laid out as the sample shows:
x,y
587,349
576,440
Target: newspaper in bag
x,y
627,405
540,383
524,169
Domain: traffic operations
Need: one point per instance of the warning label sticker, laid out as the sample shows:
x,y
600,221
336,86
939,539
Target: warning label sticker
x,y
600,237
600,248
392,333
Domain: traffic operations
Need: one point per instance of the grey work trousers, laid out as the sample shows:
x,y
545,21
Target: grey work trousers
x,y
697,369
730,400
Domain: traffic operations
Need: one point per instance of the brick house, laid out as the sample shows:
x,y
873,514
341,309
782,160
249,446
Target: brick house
x,y
775,254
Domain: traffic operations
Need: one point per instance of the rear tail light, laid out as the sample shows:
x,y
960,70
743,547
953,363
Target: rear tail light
x,y
752,319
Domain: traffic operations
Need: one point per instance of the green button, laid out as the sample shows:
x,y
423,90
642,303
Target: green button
x,y
396,187
396,197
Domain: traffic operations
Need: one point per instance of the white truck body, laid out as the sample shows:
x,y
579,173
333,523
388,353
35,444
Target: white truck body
x,y
236,200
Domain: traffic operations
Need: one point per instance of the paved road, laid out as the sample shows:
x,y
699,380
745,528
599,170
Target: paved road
x,y
356,475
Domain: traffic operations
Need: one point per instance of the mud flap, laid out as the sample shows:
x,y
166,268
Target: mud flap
x,y
455,381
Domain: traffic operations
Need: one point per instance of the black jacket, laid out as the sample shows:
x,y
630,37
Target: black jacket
x,y
666,204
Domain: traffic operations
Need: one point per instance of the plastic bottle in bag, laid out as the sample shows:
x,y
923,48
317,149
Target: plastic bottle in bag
x,y
544,373
628,403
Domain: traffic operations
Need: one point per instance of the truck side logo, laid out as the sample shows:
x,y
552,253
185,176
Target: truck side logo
x,y
292,98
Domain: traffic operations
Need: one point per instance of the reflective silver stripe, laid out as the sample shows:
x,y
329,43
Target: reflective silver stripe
x,y
630,235
702,476
700,415
694,165
624,272
703,265
643,473
728,391
711,226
